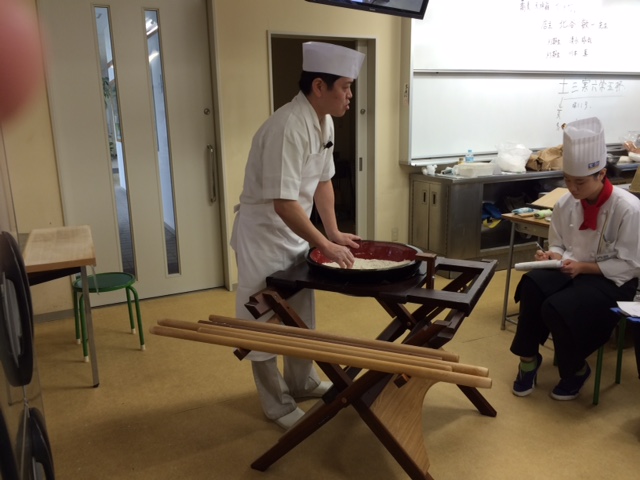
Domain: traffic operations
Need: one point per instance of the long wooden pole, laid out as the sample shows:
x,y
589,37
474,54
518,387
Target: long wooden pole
x,y
367,349
329,357
378,344
363,352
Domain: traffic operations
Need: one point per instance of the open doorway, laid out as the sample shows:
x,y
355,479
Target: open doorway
x,y
286,63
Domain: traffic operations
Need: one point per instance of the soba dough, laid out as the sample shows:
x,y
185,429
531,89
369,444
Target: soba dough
x,y
370,264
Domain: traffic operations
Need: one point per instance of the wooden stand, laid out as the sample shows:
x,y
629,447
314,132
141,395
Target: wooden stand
x,y
389,395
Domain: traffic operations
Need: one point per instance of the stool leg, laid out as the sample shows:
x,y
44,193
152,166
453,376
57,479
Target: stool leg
x,y
137,303
83,326
76,316
622,327
596,382
133,327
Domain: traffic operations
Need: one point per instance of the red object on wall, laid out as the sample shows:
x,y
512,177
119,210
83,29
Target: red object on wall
x,y
20,56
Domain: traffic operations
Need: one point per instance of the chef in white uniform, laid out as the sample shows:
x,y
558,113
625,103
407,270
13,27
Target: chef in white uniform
x,y
594,231
290,166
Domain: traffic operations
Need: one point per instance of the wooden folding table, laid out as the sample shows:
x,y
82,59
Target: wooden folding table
x,y
378,400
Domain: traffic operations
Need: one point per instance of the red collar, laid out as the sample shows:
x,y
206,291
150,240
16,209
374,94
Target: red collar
x,y
591,211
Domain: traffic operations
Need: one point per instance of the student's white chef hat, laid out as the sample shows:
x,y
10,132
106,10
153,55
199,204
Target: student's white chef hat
x,y
584,151
329,58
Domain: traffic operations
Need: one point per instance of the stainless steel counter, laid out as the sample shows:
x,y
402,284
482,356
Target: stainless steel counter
x,y
446,211
625,169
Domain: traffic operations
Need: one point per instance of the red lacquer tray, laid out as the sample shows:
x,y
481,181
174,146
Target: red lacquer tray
x,y
369,250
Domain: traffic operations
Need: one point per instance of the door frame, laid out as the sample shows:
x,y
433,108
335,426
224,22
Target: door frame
x,y
226,218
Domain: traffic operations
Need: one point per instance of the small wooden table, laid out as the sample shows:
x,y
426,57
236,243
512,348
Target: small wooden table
x,y
528,225
52,253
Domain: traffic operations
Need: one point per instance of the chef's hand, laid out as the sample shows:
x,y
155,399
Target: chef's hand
x,y
347,239
339,254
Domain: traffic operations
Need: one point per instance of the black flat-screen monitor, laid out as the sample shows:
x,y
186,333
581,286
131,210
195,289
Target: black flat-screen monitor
x,y
402,8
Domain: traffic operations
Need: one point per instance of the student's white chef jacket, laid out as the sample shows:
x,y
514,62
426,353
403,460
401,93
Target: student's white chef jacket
x,y
614,245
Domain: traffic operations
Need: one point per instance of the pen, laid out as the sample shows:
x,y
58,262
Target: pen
x,y
540,247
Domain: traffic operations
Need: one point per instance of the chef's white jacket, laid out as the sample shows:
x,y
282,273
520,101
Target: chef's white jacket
x,y
614,245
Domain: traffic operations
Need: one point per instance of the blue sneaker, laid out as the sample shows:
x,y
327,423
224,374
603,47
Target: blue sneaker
x,y
569,388
525,382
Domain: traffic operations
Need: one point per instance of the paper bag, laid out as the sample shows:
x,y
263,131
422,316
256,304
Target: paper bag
x,y
548,159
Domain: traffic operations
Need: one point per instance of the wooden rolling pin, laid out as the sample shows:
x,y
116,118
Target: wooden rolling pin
x,y
324,356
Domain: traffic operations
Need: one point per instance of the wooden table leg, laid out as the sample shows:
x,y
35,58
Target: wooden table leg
x,y
478,400
386,418
435,335
89,319
319,415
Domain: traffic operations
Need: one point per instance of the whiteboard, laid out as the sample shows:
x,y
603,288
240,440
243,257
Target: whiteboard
x,y
452,112
528,35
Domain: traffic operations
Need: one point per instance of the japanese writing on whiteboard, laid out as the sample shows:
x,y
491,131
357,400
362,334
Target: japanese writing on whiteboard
x,y
580,95
568,30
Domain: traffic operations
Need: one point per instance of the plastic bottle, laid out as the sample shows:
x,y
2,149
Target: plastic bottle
x,y
469,156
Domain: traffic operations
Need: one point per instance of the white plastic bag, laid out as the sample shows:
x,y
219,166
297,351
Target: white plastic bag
x,y
631,141
512,157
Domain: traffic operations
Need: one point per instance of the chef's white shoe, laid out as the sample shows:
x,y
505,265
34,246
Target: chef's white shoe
x,y
290,419
317,392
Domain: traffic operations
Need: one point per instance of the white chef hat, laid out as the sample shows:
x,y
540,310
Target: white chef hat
x,y
329,58
584,151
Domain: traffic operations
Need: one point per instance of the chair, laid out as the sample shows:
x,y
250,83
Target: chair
x,y
105,282
622,324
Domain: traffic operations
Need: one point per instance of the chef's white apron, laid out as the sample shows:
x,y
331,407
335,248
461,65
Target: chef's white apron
x,y
264,245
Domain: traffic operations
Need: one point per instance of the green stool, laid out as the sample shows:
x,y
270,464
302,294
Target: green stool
x,y
106,282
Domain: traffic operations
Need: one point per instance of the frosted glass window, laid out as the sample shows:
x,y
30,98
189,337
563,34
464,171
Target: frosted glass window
x,y
154,49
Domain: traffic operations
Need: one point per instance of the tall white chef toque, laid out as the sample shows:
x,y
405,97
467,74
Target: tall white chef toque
x,y
329,58
584,151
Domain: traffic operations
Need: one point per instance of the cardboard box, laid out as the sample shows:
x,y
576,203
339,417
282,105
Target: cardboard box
x,y
549,200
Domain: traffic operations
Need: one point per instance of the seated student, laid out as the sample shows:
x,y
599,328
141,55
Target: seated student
x,y
594,231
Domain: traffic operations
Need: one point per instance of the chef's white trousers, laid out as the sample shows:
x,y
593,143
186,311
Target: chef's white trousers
x,y
277,393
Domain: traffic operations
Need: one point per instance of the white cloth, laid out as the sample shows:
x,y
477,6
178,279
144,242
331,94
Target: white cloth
x,y
584,151
613,245
322,57
287,160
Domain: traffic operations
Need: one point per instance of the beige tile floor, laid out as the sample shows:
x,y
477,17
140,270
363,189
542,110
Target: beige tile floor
x,y
188,410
